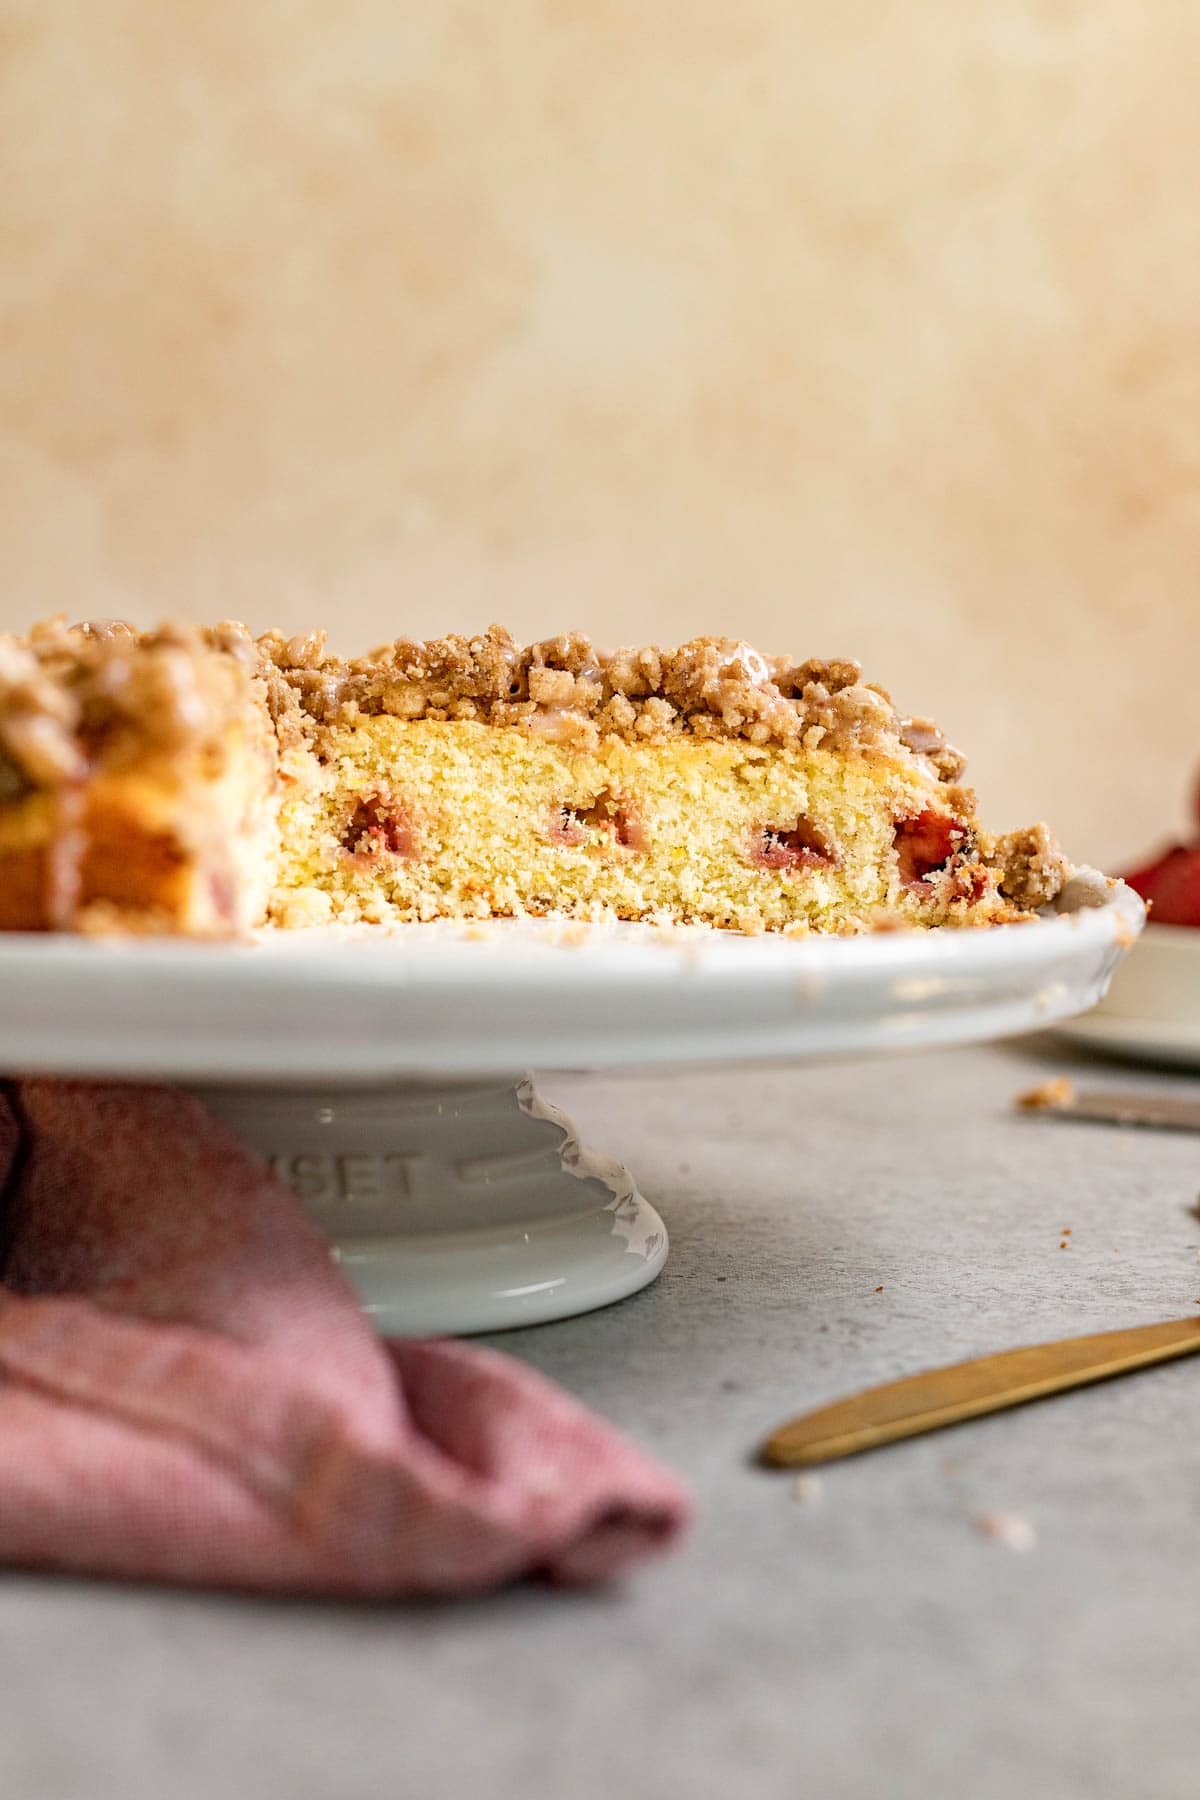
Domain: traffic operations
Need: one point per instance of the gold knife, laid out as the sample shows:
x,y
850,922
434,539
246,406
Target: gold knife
x,y
939,1397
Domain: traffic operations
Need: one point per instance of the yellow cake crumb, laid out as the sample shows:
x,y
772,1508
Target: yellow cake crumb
x,y
1050,1096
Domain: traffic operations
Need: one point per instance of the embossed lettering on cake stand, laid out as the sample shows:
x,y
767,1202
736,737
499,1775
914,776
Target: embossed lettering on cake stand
x,y
455,1208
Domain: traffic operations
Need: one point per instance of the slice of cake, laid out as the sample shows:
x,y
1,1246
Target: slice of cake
x,y
138,780
200,782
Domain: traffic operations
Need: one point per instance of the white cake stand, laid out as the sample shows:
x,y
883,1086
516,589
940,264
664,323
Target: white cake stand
x,y
381,1075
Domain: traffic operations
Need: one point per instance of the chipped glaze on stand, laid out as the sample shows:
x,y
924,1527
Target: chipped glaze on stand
x,y
376,1069
455,1208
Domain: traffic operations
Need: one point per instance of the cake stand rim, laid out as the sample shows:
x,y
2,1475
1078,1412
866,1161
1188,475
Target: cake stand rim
x,y
554,997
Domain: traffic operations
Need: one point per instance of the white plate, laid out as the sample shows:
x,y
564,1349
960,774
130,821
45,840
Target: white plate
x,y
1152,1010
447,999
358,1066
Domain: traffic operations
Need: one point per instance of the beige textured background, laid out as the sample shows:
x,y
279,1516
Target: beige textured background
x,y
868,328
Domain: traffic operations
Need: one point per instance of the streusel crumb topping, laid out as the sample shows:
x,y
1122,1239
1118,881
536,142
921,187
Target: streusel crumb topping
x,y
1035,869
567,689
67,692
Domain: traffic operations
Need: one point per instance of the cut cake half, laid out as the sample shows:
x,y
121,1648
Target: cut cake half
x,y
203,782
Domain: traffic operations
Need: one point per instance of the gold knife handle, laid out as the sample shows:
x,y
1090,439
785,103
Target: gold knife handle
x,y
939,1397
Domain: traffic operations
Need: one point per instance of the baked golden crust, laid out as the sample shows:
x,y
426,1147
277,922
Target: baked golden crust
x,y
142,776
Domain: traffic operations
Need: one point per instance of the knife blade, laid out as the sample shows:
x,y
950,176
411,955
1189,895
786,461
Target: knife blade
x,y
967,1390
1113,1106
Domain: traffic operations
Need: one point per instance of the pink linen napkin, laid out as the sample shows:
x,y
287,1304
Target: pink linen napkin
x,y
189,1392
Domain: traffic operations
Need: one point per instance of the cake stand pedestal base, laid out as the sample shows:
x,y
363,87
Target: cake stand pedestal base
x,y
451,1207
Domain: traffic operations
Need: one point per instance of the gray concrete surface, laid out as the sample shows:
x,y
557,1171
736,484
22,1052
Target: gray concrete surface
x,y
867,1643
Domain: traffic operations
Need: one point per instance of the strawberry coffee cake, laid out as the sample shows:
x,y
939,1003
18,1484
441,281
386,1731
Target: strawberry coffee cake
x,y
204,782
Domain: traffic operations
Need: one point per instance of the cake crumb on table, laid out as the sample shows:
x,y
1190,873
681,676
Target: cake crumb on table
x,y
808,1490
1011,1530
1049,1097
